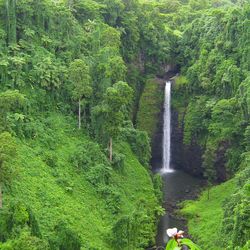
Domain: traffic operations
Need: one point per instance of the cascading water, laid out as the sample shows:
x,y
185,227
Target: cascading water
x,y
167,130
177,185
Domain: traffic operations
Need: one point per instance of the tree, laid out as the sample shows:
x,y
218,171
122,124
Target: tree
x,y
11,20
116,98
111,113
66,238
81,88
112,11
244,98
47,71
10,100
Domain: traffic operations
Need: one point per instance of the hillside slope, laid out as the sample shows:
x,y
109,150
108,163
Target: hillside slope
x,y
65,183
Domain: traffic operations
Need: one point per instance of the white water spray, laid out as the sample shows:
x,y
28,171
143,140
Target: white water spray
x,y
167,130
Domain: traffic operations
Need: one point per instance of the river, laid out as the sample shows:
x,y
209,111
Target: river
x,y
177,185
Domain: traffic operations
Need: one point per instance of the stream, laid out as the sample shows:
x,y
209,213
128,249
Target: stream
x,y
177,185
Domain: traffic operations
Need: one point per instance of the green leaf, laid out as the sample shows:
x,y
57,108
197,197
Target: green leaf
x,y
190,244
172,244
19,117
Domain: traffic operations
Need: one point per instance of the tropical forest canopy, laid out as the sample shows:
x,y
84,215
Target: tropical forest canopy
x,y
74,162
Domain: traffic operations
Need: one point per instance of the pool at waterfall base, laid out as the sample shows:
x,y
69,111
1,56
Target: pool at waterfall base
x,y
177,187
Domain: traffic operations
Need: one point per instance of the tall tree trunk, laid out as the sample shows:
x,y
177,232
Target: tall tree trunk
x,y
1,196
79,114
110,149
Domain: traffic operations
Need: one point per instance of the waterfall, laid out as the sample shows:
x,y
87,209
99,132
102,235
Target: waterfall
x,y
167,130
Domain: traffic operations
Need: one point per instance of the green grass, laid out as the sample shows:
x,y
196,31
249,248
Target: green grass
x,y
150,106
205,216
62,192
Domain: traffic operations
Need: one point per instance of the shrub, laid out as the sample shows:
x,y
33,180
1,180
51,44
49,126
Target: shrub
x,y
66,239
139,142
118,160
99,174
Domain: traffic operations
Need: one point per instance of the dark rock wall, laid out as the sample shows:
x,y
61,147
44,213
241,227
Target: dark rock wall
x,y
187,158
184,157
177,145
220,162
156,142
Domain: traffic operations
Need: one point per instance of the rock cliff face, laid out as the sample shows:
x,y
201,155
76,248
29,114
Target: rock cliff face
x,y
184,157
187,158
220,162
156,141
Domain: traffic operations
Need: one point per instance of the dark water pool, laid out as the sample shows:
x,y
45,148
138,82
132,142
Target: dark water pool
x,y
178,186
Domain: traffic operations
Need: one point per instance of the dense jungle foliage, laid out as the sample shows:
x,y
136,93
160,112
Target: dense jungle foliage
x,y
212,96
74,166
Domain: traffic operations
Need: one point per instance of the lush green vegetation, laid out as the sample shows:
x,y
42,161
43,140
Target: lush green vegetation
x,y
150,106
212,98
73,169
225,211
65,193
205,215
